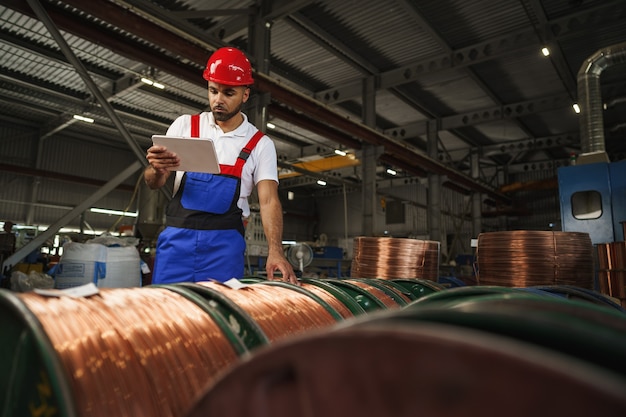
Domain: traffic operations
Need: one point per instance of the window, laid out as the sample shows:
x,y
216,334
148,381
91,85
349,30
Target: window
x,y
586,205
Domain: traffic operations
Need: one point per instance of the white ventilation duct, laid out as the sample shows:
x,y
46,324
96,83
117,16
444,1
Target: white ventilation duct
x,y
590,97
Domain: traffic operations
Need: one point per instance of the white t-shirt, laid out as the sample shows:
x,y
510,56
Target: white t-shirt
x,y
261,165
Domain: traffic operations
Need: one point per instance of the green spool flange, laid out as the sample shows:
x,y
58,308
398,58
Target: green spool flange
x,y
246,328
32,376
342,296
252,280
454,295
418,287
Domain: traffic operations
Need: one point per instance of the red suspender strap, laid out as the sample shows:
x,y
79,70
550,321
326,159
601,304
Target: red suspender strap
x,y
236,169
195,125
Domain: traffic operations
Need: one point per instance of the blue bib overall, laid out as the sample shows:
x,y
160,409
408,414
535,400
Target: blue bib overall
x,y
204,234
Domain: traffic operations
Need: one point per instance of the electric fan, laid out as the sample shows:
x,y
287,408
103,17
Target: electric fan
x,y
300,255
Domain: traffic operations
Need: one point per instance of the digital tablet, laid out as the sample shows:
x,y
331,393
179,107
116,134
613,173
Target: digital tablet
x,y
196,154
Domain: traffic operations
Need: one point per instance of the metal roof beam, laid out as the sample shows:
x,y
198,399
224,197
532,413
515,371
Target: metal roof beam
x,y
484,51
235,27
606,13
186,68
459,58
513,147
28,106
166,21
52,54
533,144
556,55
68,101
321,129
507,111
330,43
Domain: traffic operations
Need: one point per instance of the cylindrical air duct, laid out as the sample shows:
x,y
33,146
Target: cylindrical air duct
x,y
590,98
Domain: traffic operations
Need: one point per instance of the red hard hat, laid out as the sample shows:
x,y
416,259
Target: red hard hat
x,y
229,66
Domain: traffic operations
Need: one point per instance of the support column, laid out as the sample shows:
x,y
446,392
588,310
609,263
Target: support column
x,y
84,74
476,195
259,49
434,185
368,190
369,161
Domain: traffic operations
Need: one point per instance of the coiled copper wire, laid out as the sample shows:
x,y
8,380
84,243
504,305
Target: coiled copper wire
x,y
528,258
388,258
150,351
612,269
133,352
279,311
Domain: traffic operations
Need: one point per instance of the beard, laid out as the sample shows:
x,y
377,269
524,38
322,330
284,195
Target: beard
x,y
221,116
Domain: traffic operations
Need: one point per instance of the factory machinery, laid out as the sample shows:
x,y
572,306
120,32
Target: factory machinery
x,y
593,201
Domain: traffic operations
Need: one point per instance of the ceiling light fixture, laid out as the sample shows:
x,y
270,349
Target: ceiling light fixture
x,y
340,152
391,171
576,107
545,51
83,118
271,125
152,83
113,212
321,182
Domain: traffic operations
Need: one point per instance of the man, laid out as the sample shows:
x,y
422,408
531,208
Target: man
x,y
204,234
7,241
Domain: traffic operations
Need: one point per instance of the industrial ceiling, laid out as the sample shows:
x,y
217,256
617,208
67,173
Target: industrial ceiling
x,y
468,76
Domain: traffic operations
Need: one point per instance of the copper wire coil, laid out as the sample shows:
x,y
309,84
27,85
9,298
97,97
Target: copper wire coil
x,y
612,269
279,311
530,258
388,258
130,352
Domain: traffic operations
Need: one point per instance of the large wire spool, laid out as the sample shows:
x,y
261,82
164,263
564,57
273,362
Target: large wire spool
x,y
527,258
612,269
280,309
122,352
577,293
590,332
388,258
391,368
335,292
28,360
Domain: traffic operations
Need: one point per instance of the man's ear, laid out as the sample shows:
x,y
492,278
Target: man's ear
x,y
246,94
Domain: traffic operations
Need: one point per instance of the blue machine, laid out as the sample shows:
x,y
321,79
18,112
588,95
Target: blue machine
x,y
617,173
593,200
